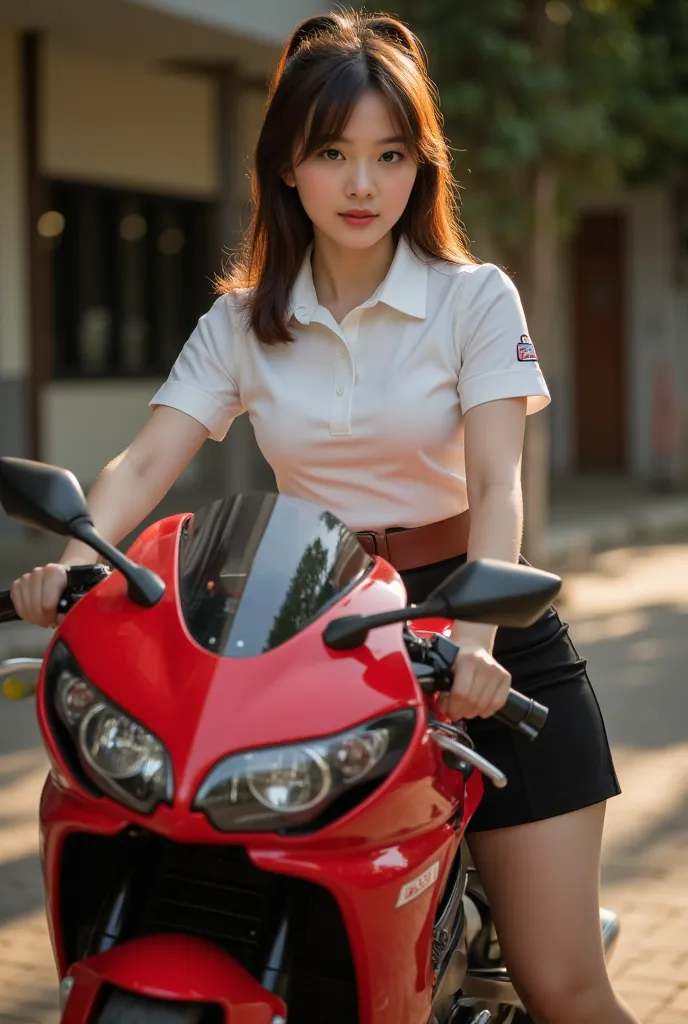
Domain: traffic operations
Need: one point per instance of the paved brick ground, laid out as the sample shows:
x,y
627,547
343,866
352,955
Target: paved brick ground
x,y
630,617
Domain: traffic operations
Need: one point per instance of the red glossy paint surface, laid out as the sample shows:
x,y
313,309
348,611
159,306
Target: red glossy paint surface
x,y
172,967
205,708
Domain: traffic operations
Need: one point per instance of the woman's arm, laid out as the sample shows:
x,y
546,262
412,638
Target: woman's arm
x,y
494,446
494,433
137,480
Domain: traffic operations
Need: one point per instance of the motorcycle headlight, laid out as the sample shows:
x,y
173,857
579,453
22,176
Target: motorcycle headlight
x,y
119,755
279,788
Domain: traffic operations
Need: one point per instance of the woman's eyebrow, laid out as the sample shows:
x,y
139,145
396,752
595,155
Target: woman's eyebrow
x,y
380,142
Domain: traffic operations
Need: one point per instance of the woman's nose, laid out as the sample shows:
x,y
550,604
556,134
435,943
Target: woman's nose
x,y
361,181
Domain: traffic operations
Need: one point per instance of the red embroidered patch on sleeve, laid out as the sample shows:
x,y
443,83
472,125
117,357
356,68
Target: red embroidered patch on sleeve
x,y
525,350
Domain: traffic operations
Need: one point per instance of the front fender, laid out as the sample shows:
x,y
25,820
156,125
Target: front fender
x,y
174,967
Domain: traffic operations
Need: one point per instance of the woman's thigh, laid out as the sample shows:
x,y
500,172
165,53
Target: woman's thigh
x,y
542,881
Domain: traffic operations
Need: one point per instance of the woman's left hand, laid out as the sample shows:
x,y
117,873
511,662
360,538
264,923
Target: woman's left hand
x,y
481,685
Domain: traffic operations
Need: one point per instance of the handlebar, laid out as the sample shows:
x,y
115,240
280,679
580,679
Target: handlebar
x,y
80,579
7,610
432,662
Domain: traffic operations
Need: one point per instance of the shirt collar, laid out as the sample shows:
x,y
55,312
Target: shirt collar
x,y
405,287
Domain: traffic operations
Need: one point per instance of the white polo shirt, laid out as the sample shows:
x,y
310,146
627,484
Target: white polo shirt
x,y
365,418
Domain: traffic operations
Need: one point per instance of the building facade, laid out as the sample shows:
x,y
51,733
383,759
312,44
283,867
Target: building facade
x,y
125,138
619,365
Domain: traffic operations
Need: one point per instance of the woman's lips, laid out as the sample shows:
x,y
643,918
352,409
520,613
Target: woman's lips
x,y
358,220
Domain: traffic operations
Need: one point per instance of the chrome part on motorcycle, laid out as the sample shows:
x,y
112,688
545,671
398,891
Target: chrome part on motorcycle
x,y
11,666
449,922
474,921
490,985
458,1015
611,927
66,986
279,1020
460,750
449,949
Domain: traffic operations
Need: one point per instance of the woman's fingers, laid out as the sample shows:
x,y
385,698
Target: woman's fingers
x,y
481,686
17,593
497,693
35,595
54,584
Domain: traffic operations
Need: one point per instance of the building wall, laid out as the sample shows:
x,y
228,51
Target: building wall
x,y
251,113
261,19
659,382
86,424
13,254
121,124
656,325
14,424
145,129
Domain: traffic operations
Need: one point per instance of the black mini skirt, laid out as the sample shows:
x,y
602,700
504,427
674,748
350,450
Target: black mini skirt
x,y
569,765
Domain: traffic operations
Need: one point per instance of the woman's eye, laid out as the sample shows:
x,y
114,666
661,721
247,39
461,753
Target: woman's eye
x,y
330,154
392,156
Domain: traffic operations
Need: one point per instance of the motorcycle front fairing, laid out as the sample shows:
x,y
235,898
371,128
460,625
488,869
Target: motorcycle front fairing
x,y
176,968
232,660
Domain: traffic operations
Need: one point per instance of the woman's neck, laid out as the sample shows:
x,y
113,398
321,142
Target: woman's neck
x,y
344,278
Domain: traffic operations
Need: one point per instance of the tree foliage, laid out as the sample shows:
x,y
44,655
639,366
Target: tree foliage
x,y
595,89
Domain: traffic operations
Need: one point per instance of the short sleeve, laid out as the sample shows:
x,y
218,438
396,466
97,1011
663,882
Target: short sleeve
x,y
497,358
202,381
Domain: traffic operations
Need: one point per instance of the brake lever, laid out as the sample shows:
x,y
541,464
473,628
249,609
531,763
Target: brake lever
x,y
80,580
440,735
521,713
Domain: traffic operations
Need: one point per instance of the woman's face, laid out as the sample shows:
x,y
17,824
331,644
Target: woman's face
x,y
357,188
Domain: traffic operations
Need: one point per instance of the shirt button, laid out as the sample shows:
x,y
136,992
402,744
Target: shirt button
x,y
340,391
342,355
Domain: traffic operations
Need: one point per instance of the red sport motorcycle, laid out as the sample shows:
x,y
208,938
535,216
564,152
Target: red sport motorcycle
x,y
255,812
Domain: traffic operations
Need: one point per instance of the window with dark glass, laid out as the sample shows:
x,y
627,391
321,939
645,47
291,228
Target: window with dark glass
x,y
132,273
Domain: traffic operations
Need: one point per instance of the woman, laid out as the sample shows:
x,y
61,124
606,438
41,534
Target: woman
x,y
388,376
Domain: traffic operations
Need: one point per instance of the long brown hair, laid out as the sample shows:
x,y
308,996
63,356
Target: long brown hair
x,y
327,65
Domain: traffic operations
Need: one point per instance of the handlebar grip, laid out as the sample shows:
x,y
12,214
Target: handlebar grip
x,y
523,713
8,612
80,579
520,712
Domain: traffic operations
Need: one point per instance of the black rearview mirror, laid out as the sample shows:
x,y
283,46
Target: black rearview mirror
x,y
52,499
498,592
43,496
486,590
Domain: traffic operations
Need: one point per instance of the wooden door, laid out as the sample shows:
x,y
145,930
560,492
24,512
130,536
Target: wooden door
x,y
599,362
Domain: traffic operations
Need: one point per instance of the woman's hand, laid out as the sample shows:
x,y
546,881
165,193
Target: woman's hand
x,y
35,595
481,685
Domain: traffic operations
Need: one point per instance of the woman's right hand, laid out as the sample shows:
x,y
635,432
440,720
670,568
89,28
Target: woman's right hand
x,y
35,595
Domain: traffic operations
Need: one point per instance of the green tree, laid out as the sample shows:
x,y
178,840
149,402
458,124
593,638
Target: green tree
x,y
592,90
305,594
657,107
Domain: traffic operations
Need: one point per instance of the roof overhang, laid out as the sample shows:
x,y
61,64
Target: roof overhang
x,y
157,31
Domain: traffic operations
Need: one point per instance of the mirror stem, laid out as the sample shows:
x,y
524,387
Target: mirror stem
x,y
351,631
144,587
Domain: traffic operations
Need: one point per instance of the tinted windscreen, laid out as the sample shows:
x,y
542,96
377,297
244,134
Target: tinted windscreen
x,y
256,569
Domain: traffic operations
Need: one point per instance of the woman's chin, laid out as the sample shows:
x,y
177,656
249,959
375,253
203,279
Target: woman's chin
x,y
357,238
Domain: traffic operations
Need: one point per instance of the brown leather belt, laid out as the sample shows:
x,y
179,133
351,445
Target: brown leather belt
x,y
420,545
